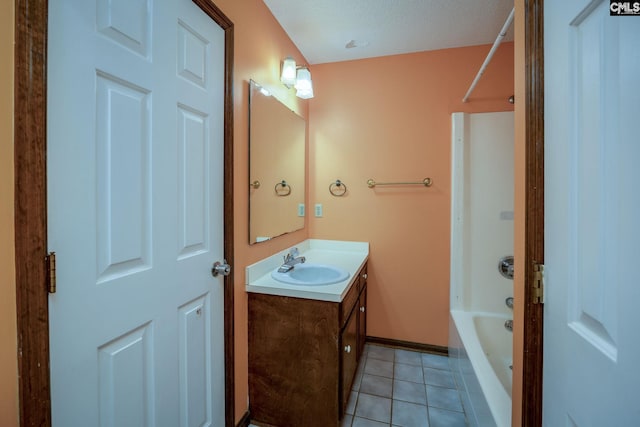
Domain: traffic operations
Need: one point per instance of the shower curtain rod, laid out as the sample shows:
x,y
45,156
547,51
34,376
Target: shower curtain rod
x,y
501,35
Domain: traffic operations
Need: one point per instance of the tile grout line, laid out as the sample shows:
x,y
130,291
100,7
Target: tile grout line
x,y
393,381
424,379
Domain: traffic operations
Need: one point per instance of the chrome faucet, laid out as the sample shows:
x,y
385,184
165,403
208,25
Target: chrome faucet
x,y
291,259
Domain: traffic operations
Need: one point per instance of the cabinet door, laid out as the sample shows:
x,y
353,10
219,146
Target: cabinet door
x,y
349,301
349,358
362,277
362,321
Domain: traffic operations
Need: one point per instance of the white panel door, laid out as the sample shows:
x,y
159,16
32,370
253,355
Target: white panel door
x,y
592,213
135,184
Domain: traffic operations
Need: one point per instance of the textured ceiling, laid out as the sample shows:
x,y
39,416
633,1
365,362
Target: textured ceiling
x,y
322,28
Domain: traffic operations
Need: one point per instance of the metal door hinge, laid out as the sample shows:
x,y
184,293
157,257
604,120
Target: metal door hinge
x,y
51,272
537,291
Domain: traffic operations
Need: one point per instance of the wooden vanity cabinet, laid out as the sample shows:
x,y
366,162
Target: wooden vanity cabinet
x,y
303,356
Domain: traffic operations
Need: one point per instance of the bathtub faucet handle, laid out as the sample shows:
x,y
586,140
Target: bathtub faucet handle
x,y
508,325
505,267
509,302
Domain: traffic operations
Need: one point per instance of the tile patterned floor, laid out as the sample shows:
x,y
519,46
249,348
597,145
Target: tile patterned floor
x,y
403,388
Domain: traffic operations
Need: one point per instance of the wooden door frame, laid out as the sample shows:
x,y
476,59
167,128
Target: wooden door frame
x,y
30,145
534,214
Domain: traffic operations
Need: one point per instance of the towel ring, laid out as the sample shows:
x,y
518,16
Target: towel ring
x,y
283,184
337,188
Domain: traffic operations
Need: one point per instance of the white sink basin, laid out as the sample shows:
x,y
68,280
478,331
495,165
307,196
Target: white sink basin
x,y
309,274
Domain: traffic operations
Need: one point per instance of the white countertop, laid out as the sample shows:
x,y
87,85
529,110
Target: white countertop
x,y
350,256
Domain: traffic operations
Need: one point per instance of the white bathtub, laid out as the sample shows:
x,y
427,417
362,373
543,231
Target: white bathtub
x,y
480,351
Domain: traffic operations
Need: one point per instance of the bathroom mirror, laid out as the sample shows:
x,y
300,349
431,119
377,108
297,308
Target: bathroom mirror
x,y
276,166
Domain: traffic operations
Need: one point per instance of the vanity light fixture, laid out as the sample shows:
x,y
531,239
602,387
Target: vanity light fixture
x,y
298,77
304,86
288,74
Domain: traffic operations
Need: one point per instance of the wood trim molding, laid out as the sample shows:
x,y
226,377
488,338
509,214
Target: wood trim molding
x,y
408,345
534,215
245,420
30,112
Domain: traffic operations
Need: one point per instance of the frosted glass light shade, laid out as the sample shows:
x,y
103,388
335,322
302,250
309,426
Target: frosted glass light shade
x,y
288,75
304,86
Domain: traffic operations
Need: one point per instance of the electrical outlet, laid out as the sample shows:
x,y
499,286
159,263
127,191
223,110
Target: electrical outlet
x,y
318,210
301,209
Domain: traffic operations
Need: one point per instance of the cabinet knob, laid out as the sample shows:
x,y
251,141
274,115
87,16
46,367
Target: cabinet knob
x,y
362,309
347,348
364,276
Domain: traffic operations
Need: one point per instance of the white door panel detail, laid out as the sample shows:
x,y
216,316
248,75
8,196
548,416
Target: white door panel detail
x,y
123,178
193,189
193,50
126,375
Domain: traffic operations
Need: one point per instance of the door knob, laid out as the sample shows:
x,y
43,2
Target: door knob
x,y
220,268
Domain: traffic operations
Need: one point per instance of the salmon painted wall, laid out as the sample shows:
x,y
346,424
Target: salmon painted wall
x,y
390,119
260,45
519,214
8,327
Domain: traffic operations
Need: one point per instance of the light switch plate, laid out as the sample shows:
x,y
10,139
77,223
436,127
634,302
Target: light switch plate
x,y
318,210
301,209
